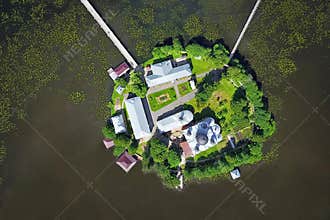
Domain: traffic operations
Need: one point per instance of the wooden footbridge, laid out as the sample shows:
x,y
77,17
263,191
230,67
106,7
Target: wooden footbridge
x,y
109,33
125,52
244,29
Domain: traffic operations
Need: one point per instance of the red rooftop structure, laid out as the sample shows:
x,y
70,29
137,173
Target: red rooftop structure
x,y
118,71
186,149
126,161
108,143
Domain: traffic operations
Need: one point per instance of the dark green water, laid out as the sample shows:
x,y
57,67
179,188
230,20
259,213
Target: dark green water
x,y
58,168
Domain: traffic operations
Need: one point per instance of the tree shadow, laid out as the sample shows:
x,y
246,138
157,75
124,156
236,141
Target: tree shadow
x,y
148,113
206,112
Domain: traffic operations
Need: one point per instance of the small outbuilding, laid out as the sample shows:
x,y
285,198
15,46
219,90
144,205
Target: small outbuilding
x,y
108,143
118,71
119,124
192,84
120,90
126,161
235,174
186,149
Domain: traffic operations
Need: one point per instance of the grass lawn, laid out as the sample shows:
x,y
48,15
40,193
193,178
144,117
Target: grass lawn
x,y
200,66
225,91
115,98
161,99
184,88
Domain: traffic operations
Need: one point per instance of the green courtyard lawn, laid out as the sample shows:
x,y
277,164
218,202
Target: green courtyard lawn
x,y
161,99
184,88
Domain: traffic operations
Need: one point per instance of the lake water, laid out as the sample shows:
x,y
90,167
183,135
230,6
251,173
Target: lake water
x,y
57,167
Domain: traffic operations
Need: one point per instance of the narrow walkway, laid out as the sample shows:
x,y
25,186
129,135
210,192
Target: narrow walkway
x,y
109,33
167,85
244,29
177,92
180,101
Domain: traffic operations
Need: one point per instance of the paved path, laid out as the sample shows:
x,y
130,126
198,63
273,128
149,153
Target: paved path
x,y
109,33
244,29
177,92
180,101
167,85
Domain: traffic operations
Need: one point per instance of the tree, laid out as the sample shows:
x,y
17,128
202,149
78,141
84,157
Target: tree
x,y
121,82
173,158
158,53
177,48
158,150
136,85
108,132
255,151
239,110
196,50
122,141
264,121
220,56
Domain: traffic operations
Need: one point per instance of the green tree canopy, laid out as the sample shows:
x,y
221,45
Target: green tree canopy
x,y
196,50
158,150
173,158
136,85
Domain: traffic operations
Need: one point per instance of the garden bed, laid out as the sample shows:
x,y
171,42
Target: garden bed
x,y
184,88
161,99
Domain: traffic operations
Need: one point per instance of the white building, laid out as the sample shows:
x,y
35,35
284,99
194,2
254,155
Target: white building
x,y
203,135
235,174
119,124
165,72
137,117
175,121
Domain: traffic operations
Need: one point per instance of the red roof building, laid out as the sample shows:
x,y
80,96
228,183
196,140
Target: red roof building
x,y
108,143
118,71
126,161
186,149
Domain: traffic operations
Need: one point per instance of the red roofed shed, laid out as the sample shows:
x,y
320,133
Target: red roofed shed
x,y
118,71
108,143
126,161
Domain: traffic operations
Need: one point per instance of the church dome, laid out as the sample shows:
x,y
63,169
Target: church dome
x,y
202,139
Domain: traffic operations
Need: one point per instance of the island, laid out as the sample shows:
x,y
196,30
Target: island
x,y
190,113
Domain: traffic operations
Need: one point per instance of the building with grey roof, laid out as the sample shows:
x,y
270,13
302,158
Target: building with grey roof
x,y
119,124
165,72
203,135
175,121
137,117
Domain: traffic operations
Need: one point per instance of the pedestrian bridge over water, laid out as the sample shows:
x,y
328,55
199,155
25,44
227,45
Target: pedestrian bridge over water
x,y
109,33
